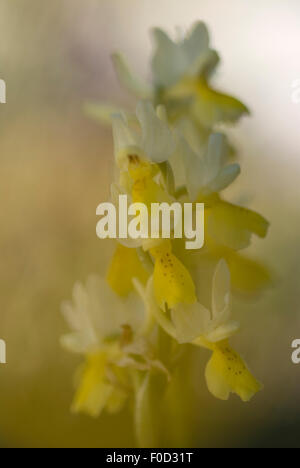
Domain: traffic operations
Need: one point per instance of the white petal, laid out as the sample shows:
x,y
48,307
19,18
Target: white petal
x,y
108,311
79,342
169,61
196,43
191,56
190,322
97,313
133,313
76,312
205,63
194,169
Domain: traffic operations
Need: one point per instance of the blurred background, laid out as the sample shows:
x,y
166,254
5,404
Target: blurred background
x,y
56,166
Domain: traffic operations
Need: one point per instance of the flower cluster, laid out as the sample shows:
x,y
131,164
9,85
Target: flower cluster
x,y
169,149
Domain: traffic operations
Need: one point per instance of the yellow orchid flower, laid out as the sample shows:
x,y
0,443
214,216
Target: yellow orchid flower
x,y
226,372
206,174
187,323
143,144
167,151
104,381
181,72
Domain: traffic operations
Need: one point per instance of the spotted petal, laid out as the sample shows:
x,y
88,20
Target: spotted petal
x,y
227,373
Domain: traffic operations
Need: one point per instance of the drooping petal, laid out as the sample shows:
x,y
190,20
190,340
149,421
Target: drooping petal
x,y
227,373
232,226
79,317
173,283
207,106
203,166
93,391
78,342
125,265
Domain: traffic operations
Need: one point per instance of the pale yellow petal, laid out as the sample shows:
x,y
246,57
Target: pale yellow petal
x,y
93,390
212,107
232,225
173,283
208,106
247,275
